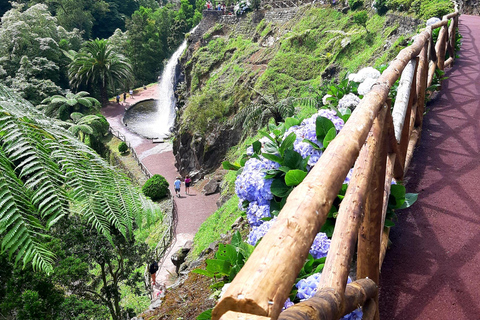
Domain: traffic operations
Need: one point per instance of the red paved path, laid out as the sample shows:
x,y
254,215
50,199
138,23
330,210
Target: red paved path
x,y
432,270
194,208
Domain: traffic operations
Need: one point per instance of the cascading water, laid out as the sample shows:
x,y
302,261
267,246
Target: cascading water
x,y
155,118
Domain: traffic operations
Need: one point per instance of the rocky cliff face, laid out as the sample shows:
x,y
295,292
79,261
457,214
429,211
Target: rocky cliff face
x,y
198,154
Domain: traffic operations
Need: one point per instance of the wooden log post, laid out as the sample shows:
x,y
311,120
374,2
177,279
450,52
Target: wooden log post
x,y
263,284
327,304
440,48
422,74
403,99
368,255
342,247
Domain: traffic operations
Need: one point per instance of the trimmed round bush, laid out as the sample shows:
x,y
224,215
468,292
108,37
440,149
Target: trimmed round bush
x,y
122,147
156,187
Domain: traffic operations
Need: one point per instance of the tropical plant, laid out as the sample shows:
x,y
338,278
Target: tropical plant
x,y
86,126
96,64
257,114
48,174
156,187
61,107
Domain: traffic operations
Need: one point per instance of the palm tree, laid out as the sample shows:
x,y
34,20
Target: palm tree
x,y
98,65
47,174
61,107
258,114
84,126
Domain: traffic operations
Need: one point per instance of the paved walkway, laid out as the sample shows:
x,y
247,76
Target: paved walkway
x,y
193,208
432,270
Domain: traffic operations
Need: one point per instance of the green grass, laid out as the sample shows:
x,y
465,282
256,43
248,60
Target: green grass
x,y
218,223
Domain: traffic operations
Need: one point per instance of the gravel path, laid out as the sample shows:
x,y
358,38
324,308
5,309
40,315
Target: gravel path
x,y
431,270
193,208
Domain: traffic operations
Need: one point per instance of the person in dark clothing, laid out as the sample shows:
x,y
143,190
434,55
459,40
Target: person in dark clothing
x,y
124,97
118,98
153,272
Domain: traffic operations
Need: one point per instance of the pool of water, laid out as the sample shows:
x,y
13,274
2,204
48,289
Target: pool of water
x,y
145,119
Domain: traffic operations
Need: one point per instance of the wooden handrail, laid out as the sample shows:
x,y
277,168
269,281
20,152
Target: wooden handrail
x,y
381,147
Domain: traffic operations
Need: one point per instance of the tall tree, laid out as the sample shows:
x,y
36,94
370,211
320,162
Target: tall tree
x,y
145,48
31,59
98,65
46,175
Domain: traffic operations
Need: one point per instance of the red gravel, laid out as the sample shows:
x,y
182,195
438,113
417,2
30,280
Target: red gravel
x,y
432,269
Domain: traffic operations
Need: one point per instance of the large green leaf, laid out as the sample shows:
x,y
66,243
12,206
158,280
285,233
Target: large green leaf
x,y
293,160
218,267
287,143
331,134
227,252
295,177
279,188
322,126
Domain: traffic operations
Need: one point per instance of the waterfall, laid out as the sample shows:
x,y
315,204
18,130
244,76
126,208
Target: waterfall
x,y
165,119
154,119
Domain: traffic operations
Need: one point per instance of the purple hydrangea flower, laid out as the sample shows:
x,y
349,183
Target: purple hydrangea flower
x,y
320,246
288,303
258,232
251,184
308,287
256,211
307,130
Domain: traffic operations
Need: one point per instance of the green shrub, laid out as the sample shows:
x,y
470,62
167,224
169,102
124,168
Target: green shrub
x,y
122,147
355,4
156,187
381,6
430,8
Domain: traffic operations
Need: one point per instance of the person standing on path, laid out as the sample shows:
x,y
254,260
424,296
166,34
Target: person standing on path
x,y
118,98
125,97
187,184
176,185
153,272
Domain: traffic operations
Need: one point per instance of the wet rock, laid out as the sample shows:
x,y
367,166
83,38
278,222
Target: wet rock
x,y
239,223
179,257
211,187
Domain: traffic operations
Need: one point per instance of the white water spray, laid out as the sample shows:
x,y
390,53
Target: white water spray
x,y
155,120
165,118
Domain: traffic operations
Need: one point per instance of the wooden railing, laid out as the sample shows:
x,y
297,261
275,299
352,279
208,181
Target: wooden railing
x,y
379,144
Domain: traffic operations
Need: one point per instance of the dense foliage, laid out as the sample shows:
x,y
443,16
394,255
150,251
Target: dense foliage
x,y
47,174
156,187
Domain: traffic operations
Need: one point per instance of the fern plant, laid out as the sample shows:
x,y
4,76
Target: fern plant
x,y
47,174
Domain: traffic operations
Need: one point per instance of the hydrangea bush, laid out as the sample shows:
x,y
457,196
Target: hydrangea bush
x,y
275,164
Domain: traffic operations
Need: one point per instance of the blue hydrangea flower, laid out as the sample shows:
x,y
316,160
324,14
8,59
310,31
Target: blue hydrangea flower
x,y
256,211
251,184
307,130
258,232
308,287
288,303
320,246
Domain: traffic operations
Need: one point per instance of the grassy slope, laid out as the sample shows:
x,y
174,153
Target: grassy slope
x,y
226,70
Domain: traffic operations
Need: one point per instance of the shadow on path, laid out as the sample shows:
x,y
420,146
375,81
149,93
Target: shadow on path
x,y
431,270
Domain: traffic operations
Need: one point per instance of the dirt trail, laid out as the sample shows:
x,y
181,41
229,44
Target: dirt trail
x,y
193,208
432,268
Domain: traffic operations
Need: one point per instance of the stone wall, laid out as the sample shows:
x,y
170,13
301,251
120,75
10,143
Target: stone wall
x,y
280,15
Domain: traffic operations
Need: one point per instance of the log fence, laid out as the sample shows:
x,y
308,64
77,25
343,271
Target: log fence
x,y
378,142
